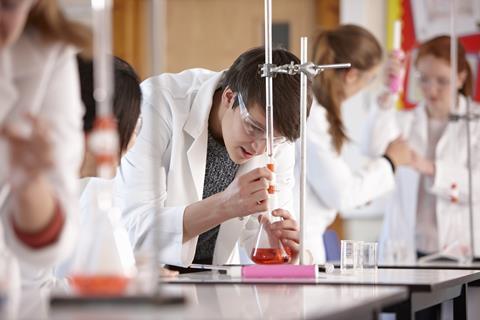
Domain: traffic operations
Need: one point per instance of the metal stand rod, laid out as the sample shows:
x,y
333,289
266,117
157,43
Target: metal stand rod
x,y
453,57
454,102
156,36
470,179
303,137
102,62
269,79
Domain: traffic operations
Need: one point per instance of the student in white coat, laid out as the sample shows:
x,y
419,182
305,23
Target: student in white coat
x,y
40,134
203,140
127,99
332,186
429,210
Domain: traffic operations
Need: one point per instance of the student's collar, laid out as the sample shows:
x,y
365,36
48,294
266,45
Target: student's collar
x,y
197,121
461,107
462,104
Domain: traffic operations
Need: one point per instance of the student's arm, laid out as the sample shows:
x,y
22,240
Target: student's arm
x,y
333,181
8,92
36,216
52,192
381,128
448,172
244,196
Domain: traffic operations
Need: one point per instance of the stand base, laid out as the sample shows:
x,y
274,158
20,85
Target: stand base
x,y
280,271
157,300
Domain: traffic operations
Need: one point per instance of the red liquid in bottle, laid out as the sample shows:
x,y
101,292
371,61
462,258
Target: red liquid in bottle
x,y
270,256
101,285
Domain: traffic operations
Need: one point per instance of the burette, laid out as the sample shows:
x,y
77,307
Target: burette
x,y
269,98
103,141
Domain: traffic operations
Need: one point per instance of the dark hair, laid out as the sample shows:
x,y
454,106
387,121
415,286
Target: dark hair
x,y
439,47
346,43
244,76
126,99
52,23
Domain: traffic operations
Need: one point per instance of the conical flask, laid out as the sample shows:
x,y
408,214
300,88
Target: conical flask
x,y
103,264
268,247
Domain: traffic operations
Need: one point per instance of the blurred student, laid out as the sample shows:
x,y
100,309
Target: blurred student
x,y
332,186
428,212
40,133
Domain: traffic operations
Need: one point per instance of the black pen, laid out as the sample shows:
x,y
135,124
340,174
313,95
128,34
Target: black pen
x,y
326,268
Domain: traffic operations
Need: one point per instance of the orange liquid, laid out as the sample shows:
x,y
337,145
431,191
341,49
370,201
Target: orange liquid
x,y
101,285
271,167
269,256
271,188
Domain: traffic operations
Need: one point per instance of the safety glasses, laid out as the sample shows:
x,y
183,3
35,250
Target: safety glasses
x,y
439,82
252,127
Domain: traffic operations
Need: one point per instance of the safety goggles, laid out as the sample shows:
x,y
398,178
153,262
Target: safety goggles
x,y
439,82
252,127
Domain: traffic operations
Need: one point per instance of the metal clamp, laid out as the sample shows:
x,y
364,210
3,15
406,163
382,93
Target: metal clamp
x,y
267,70
309,68
467,117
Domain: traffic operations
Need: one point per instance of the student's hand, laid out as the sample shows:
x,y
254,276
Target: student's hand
x,y
394,69
167,273
31,157
247,194
29,154
399,152
288,231
422,165
386,100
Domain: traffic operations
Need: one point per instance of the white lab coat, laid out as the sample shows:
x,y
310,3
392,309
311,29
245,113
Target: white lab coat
x,y
331,185
166,168
451,167
42,79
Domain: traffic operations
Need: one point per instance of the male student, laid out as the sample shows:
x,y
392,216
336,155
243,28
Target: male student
x,y
199,161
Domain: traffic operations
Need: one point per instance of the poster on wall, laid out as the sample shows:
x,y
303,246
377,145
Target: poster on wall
x,y
432,17
423,20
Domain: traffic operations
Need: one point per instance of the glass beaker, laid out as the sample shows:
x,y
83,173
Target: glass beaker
x,y
351,257
370,256
103,264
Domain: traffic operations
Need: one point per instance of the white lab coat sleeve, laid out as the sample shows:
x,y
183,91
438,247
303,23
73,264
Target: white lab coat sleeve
x,y
8,91
141,184
62,109
335,183
381,128
447,173
285,166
